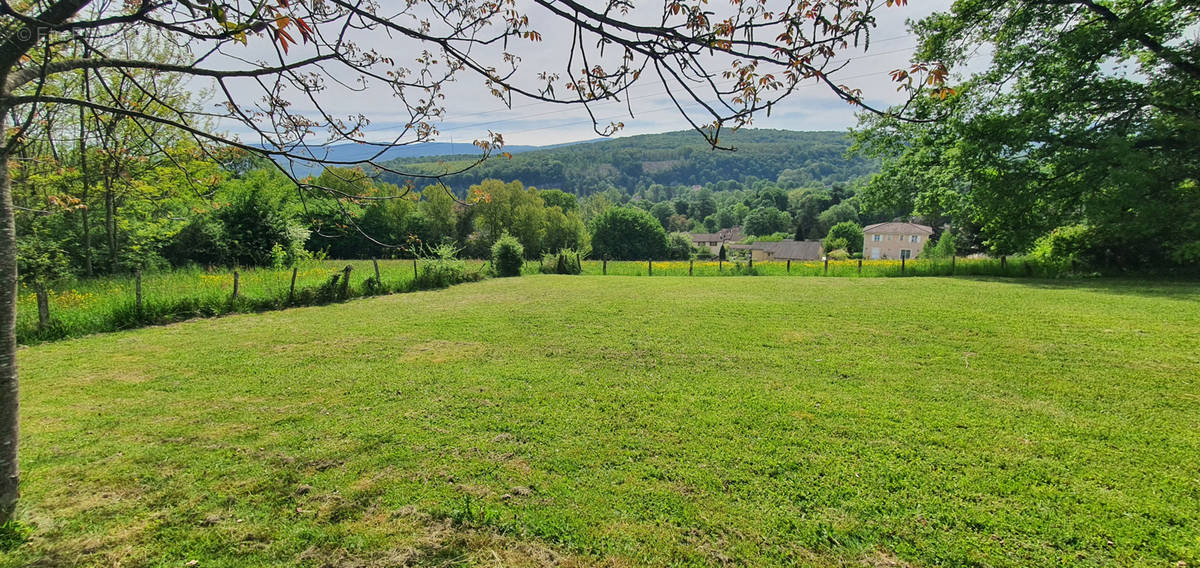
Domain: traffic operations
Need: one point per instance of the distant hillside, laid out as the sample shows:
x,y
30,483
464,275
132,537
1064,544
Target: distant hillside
x,y
362,152
673,158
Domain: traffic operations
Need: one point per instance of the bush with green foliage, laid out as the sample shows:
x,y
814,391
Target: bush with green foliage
x,y
835,244
508,256
565,261
838,254
202,241
41,261
627,233
945,247
441,268
850,232
1067,244
679,246
254,224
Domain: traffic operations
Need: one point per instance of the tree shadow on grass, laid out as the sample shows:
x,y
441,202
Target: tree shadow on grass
x,y
13,534
1159,288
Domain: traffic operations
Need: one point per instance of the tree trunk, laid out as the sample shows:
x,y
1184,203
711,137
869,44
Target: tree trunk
x,y
110,223
83,196
43,303
8,340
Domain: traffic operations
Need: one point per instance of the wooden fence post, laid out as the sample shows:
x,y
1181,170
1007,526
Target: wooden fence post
x,y
827,266
720,264
43,303
378,278
138,292
1003,263
751,260
789,266
346,282
649,267
292,290
902,261
860,267
414,270
690,263
953,257
236,277
604,267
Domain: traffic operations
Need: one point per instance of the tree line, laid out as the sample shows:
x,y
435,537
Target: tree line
x,y
633,164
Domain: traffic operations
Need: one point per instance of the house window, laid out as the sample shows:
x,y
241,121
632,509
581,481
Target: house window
x,y
905,253
876,238
916,238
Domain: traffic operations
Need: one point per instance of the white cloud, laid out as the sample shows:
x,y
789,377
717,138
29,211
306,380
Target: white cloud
x,y
472,112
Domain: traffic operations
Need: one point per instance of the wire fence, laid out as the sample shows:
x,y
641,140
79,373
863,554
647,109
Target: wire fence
x,y
954,266
96,305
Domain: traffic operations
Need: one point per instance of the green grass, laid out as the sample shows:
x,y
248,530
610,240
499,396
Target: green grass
x,y
97,305
85,306
631,422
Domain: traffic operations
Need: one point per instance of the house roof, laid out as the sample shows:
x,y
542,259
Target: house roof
x,y
898,227
795,250
731,234
787,249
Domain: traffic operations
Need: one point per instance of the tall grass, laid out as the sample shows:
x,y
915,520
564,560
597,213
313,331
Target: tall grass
x,y
95,305
87,306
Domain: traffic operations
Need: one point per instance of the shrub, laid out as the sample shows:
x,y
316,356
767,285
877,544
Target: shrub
x,y
740,269
507,256
40,261
441,268
832,244
945,247
1063,245
679,246
627,233
848,231
566,261
838,254
253,225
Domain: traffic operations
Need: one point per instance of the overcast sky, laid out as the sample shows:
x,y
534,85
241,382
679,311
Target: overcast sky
x,y
472,112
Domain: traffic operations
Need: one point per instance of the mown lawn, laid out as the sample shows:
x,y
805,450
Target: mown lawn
x,y
632,421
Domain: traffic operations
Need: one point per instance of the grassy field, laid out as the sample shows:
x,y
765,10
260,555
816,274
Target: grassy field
x,y
629,422
85,306
97,305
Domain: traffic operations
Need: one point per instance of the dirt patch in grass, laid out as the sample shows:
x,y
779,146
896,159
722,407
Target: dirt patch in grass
x,y
442,543
883,559
441,351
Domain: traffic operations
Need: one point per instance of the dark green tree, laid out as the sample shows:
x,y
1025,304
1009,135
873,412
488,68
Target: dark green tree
x,y
559,198
765,221
627,233
848,231
663,211
1086,116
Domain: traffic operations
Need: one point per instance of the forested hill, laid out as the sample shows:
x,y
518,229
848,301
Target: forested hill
x,y
673,158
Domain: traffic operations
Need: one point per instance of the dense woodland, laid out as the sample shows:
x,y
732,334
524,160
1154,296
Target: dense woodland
x,y
676,158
